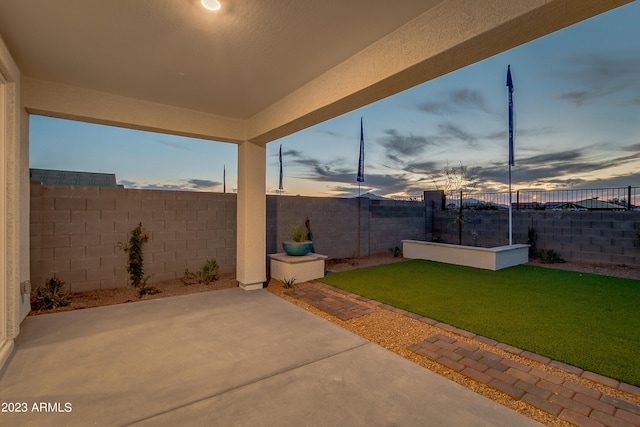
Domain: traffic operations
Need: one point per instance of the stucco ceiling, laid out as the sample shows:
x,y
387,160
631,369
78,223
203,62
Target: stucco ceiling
x,y
235,62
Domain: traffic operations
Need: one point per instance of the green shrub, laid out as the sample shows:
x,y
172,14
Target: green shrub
x,y
397,252
301,231
549,257
50,295
531,241
288,283
298,233
206,275
135,264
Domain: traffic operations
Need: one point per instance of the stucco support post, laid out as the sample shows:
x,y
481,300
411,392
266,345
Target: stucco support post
x,y
252,216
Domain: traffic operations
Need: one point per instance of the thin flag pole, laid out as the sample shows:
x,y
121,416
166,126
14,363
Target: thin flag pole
x,y
360,177
224,179
511,156
280,185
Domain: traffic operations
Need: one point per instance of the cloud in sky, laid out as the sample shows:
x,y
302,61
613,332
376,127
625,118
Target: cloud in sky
x,y
423,167
453,131
469,98
553,169
172,143
398,146
456,101
183,185
598,76
203,183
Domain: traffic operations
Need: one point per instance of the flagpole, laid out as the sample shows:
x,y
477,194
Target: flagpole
x,y
280,184
511,155
360,177
510,210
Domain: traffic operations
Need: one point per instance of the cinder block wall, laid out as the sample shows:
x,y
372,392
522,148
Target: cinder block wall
x,y
344,228
598,237
606,237
393,221
75,233
333,221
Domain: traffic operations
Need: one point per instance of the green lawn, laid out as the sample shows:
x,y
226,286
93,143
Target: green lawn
x,y
586,320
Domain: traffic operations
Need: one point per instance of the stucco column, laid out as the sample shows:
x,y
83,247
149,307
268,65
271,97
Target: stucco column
x,y
251,263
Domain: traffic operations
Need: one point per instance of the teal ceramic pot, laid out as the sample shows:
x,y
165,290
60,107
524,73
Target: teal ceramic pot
x,y
297,248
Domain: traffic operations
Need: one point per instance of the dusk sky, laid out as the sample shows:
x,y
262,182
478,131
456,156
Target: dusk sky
x,y
577,109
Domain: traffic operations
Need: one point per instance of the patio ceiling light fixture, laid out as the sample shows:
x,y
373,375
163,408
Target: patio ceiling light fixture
x,y
211,4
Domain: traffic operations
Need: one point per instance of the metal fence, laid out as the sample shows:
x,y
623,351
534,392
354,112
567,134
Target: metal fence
x,y
621,198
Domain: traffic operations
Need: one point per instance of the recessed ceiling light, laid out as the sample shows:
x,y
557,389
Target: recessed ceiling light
x,y
211,4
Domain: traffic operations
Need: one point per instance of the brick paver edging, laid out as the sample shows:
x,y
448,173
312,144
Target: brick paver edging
x,y
569,400
340,307
566,399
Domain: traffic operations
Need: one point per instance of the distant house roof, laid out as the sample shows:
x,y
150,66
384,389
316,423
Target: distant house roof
x,y
595,204
589,204
72,178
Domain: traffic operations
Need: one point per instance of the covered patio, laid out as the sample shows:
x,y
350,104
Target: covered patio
x,y
249,74
227,358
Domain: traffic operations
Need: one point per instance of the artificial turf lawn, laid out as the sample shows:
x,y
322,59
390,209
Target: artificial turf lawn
x,y
586,320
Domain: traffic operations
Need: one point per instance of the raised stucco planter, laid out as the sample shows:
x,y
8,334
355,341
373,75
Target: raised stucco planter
x,y
301,268
487,258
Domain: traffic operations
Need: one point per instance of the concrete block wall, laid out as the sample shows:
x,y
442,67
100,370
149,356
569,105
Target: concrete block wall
x,y
605,237
480,228
597,237
75,232
345,228
392,221
333,221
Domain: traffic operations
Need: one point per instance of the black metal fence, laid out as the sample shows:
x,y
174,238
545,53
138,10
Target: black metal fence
x,y
621,198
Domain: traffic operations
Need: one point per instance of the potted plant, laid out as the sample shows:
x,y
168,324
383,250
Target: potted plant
x,y
300,243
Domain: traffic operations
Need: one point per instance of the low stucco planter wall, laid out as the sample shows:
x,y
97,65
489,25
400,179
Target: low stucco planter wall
x,y
487,258
301,268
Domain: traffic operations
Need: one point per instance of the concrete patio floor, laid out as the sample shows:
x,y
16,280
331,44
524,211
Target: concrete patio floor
x,y
228,358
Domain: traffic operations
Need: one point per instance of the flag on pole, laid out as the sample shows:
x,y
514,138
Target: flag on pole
x,y
224,179
510,86
280,187
511,156
360,177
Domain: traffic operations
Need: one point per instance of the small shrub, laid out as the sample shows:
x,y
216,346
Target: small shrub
x,y
397,252
549,257
288,283
301,232
50,295
531,241
206,275
307,225
298,232
135,264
